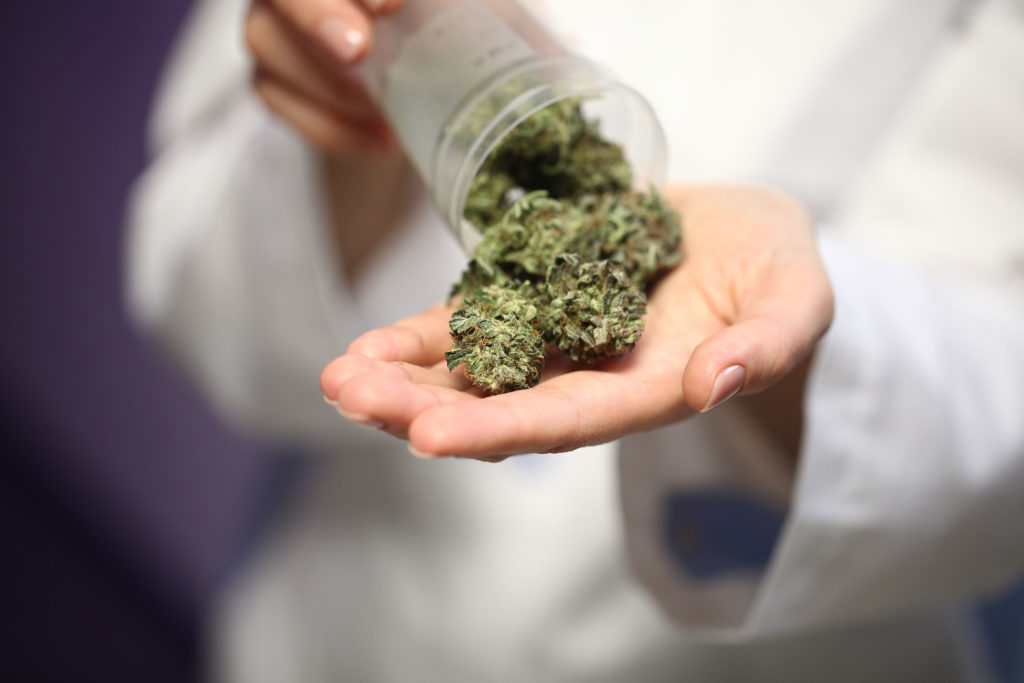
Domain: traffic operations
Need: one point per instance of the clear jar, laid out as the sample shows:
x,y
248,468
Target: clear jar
x,y
455,76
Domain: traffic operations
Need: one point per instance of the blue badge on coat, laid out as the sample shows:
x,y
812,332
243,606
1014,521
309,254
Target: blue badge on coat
x,y
708,533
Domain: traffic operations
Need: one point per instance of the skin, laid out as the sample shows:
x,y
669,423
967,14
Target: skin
x,y
303,53
304,77
752,294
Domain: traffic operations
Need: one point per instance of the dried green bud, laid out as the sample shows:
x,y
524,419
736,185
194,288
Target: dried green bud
x,y
638,230
485,203
478,274
594,310
592,165
521,246
496,334
566,262
532,232
545,137
556,149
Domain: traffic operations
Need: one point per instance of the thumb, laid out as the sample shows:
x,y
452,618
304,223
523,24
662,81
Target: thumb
x,y
758,349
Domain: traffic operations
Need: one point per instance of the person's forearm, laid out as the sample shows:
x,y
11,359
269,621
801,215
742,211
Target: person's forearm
x,y
367,198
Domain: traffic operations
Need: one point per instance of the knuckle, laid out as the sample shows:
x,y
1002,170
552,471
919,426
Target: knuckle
x,y
326,139
341,370
259,31
367,341
388,6
302,14
357,395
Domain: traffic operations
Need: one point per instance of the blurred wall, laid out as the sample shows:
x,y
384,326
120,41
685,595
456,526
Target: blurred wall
x,y
120,497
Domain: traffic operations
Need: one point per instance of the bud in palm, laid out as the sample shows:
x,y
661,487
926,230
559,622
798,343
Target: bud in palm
x,y
594,310
496,335
568,249
637,230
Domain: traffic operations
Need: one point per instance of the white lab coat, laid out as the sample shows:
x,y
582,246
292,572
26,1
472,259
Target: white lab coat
x,y
900,124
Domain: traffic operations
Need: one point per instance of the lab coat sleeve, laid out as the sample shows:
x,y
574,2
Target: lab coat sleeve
x,y
909,495
909,492
911,485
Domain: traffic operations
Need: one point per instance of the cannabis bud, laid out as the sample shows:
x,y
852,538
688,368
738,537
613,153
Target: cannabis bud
x,y
497,335
594,311
567,251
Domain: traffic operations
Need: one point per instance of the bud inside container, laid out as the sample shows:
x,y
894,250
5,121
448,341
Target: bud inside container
x,y
454,77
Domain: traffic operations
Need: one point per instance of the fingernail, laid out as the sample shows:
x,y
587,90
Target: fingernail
x,y
424,456
727,384
359,418
375,5
342,39
330,401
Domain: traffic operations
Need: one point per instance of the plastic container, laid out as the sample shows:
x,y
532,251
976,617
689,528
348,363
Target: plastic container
x,y
455,76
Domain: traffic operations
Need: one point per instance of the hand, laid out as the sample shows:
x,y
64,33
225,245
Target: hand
x,y
746,306
304,51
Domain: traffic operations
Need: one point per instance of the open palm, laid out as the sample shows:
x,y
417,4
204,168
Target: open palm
x,y
746,305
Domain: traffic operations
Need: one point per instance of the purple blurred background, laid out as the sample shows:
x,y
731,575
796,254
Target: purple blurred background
x,y
120,496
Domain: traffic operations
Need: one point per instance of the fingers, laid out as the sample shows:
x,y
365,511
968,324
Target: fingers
x,y
303,51
281,56
754,250
421,339
578,409
441,414
409,344
389,395
339,27
768,339
353,366
329,133
382,7
395,379
499,426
